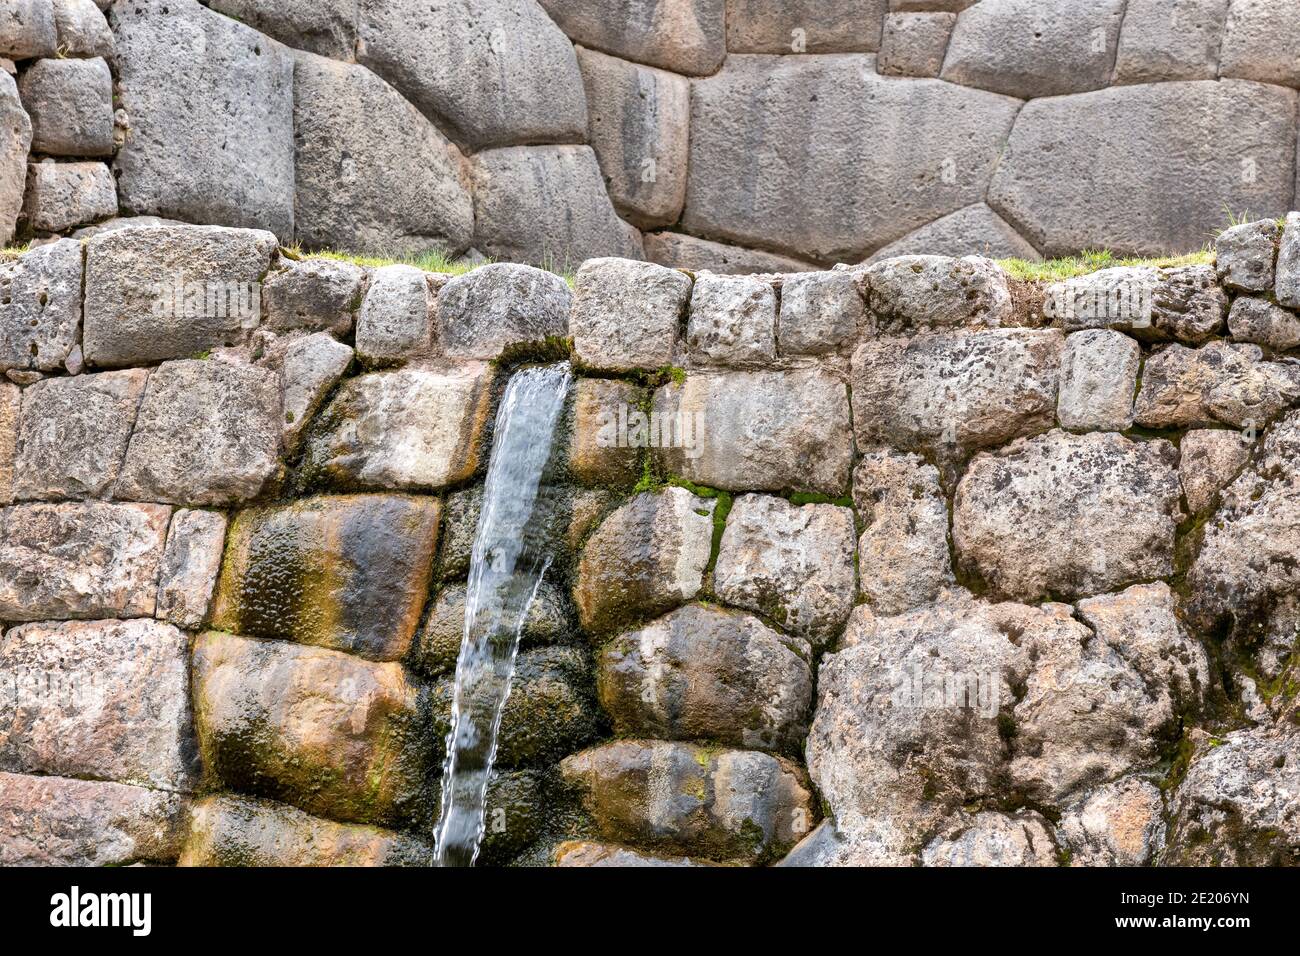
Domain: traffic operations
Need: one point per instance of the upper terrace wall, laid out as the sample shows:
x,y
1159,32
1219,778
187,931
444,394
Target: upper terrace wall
x,y
735,135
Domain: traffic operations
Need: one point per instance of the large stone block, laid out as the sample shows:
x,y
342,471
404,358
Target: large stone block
x,y
40,306
327,27
646,558
1164,40
15,141
61,196
210,103
1221,382
1099,371
609,429
372,173
792,563
313,294
697,674
639,120
733,321
547,205
685,36
58,821
171,291
1260,42
1245,255
82,29
208,433
950,394
80,560
74,434
70,103
408,429
1156,183
1030,48
724,804
914,44
349,573
106,700
330,734
492,72
1262,322
231,830
1069,515
820,312
974,231
1208,460
778,142
759,431
804,26
627,315
484,312
28,30
925,292
396,319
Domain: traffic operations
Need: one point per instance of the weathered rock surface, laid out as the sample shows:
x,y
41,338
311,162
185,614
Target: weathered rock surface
x,y
993,839
483,312
1219,382
330,734
626,315
928,292
733,321
208,433
396,319
914,44
951,394
310,368
1068,514
191,560
349,573
10,413
74,434
761,431
766,169
371,173
106,700
723,804
1260,41
639,122
314,294
82,29
328,27
681,251
903,557
1187,304
63,195
704,673
171,292
15,141
976,230
804,26
408,429
1158,184
584,854
685,36
80,560
1245,255
1170,41
791,563
58,821
226,117
239,831
1287,282
1099,370
820,312
1209,459
28,30
644,559
1262,322
40,306
1119,824
549,620
547,205
609,428
70,103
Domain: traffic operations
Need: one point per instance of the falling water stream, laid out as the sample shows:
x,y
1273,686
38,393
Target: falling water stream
x,y
509,558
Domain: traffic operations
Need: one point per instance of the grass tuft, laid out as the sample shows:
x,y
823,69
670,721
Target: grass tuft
x,y
429,261
1094,260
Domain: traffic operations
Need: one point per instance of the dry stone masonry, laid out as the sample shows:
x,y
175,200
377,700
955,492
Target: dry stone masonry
x,y
737,136
910,563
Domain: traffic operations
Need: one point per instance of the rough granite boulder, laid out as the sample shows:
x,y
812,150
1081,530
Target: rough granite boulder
x,y
210,103
409,429
646,558
70,103
350,573
704,673
1262,322
61,196
324,731
1118,824
768,170
1163,40
208,433
101,700
1208,460
1071,515
372,174
1219,382
40,306
733,321
1245,255
82,29
491,72
760,431
396,320
483,312
725,804
933,292
171,292
547,205
1099,371
74,434
791,563
59,821
638,124
627,315
80,560
684,36
1157,184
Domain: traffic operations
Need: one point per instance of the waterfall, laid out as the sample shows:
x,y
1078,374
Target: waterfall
x,y
509,558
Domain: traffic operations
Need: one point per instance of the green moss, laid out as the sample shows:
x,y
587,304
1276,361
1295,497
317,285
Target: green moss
x,y
1094,260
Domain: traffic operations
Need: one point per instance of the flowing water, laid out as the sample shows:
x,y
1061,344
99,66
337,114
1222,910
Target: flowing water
x,y
509,558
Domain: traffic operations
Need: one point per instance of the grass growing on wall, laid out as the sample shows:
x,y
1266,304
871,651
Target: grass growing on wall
x,y
1094,260
429,262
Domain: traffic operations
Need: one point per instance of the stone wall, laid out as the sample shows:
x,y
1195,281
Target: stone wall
x,y
913,563
730,135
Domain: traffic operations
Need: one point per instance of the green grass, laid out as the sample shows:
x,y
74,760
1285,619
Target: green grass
x,y
1094,260
429,262
13,252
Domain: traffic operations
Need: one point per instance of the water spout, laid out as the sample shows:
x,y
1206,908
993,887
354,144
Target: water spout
x,y
510,556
